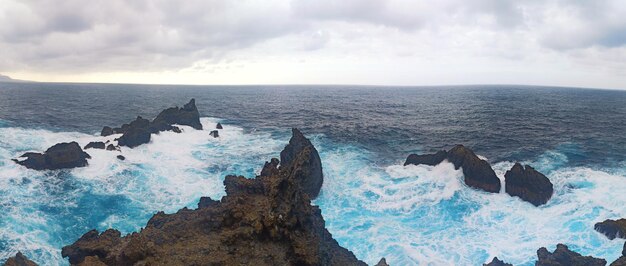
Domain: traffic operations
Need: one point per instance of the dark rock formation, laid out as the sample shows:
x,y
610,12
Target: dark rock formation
x,y
121,157
106,131
477,172
270,168
136,133
497,262
59,156
305,163
215,134
382,262
219,126
528,184
19,260
621,261
267,220
95,145
188,116
112,147
612,228
562,256
427,159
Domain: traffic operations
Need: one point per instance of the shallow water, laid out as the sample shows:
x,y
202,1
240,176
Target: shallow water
x,y
372,204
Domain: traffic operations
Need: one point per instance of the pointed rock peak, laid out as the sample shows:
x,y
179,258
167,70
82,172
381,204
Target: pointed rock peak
x,y
191,105
301,160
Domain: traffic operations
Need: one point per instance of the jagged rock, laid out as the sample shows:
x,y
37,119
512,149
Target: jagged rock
x,y
267,220
176,129
112,147
528,184
562,256
59,156
270,168
121,157
382,262
612,228
621,261
219,126
477,172
427,159
95,145
19,260
91,261
136,134
215,134
497,262
308,170
188,115
106,131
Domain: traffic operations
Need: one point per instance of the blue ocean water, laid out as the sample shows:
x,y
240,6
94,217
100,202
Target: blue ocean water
x,y
374,206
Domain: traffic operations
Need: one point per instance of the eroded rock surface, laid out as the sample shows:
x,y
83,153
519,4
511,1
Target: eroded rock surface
x,y
497,262
302,160
528,184
562,256
268,220
612,228
59,156
19,260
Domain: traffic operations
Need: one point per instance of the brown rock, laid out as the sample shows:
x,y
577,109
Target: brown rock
x,y
19,260
302,160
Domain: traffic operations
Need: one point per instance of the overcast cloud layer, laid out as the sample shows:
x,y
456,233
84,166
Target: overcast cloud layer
x,y
393,42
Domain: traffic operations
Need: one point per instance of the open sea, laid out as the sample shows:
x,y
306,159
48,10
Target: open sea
x,y
372,204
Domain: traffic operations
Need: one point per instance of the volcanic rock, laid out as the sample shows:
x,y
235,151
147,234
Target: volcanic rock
x,y
382,262
302,160
106,131
477,172
427,159
176,129
528,184
112,147
497,262
188,115
136,133
95,145
59,156
19,260
612,228
270,168
121,157
219,126
268,220
215,134
562,256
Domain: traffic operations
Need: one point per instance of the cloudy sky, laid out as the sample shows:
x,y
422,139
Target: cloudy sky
x,y
393,42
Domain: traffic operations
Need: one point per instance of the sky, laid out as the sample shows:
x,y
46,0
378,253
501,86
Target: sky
x,y
370,42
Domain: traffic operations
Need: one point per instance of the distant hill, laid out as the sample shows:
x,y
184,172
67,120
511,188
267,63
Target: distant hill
x,y
4,78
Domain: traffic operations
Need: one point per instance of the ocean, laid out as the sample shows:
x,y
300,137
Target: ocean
x,y
372,204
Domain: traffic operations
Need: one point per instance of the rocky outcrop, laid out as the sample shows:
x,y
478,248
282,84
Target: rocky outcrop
x,y
268,220
112,147
59,156
121,157
427,159
612,228
477,172
302,160
219,126
215,134
19,260
528,184
562,256
95,145
138,132
270,168
497,262
382,262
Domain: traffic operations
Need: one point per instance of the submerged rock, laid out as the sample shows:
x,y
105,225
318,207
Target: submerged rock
x,y
268,220
612,228
219,126
528,184
215,134
59,156
136,133
477,172
497,262
562,256
19,260
95,145
303,160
